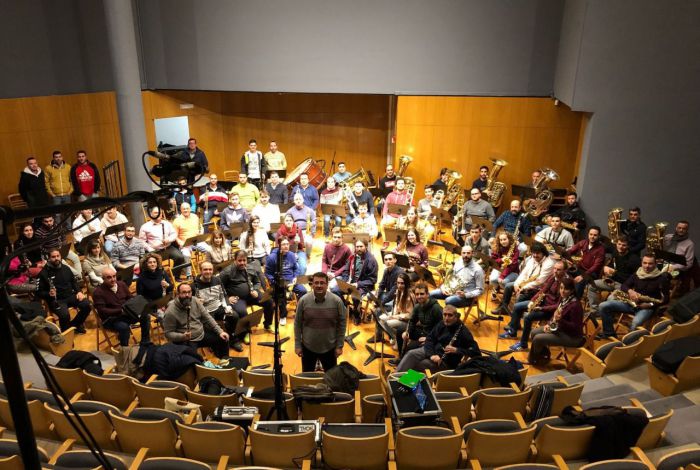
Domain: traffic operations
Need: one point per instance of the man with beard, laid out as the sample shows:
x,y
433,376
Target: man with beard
x,y
621,266
572,213
680,244
426,314
335,257
362,273
592,254
469,283
186,321
635,230
58,287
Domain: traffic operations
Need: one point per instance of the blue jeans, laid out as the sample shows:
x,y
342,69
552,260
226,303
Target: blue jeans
x,y
301,261
454,300
327,224
609,308
109,246
518,311
208,214
493,278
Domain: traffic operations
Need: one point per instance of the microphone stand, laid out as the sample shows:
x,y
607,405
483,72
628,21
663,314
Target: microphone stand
x,y
280,295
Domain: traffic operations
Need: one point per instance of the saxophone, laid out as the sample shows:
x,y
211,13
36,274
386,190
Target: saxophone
x,y
496,189
624,297
508,258
554,324
536,301
350,198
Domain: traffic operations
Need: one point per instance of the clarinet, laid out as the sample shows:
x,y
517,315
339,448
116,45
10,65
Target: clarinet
x,y
52,287
408,338
452,341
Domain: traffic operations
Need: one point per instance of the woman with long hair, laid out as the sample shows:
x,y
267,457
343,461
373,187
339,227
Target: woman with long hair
x,y
152,283
416,251
218,249
255,242
31,259
501,275
95,261
395,322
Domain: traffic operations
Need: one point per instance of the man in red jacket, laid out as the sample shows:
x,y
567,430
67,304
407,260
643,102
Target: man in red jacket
x,y
109,299
592,253
85,177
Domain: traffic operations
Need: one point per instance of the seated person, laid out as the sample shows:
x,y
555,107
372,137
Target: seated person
x,y
291,231
160,235
181,195
342,174
466,284
647,289
186,321
95,262
305,219
572,214
309,193
416,251
476,241
512,219
151,282
445,346
395,318
58,287
362,273
290,271
568,322
365,222
255,241
128,251
248,193
109,298
234,213
359,196
335,257
425,315
32,259
276,189
425,205
210,291
83,225
622,264
400,196
243,287
387,286
218,249
477,207
508,258
111,218
592,253
212,195
186,226
424,229
331,195
536,269
267,212
555,234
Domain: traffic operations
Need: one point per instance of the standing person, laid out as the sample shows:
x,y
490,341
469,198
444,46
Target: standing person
x,y
319,326
111,218
212,195
247,192
680,243
197,155
85,177
58,287
386,186
289,272
109,298
568,317
277,190
159,235
32,184
335,257
234,213
210,291
253,163
342,174
445,346
58,179
468,285
186,321
331,195
309,193
267,213
276,161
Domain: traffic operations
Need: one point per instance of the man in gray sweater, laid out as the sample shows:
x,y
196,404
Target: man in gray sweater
x,y
319,326
478,207
186,321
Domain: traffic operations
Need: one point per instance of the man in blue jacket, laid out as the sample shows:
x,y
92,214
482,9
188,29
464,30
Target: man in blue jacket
x,y
289,272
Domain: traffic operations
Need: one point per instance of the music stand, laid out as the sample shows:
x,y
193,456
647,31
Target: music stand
x,y
220,267
285,207
245,325
396,235
372,352
275,226
87,239
164,254
235,230
345,289
196,239
485,223
305,279
376,192
425,275
400,209
442,215
220,206
227,185
158,303
523,192
115,229
401,260
126,274
333,210
64,250
672,258
452,248
351,238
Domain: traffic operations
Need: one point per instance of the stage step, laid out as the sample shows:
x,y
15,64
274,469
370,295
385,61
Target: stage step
x,y
602,393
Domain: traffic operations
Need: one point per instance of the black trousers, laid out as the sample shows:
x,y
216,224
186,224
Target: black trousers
x,y
178,259
309,358
60,308
122,325
210,340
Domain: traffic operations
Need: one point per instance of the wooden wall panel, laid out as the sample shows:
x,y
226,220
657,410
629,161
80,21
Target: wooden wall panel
x,y
462,133
38,126
304,125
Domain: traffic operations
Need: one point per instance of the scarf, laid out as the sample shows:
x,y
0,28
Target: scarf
x,y
674,241
642,274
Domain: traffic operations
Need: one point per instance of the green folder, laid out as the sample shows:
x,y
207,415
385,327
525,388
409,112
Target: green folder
x,y
411,378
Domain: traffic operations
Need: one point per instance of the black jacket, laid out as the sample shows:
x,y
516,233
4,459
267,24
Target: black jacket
x,y
74,178
624,265
636,235
200,158
148,284
441,336
571,214
62,278
240,283
32,188
424,318
387,286
656,287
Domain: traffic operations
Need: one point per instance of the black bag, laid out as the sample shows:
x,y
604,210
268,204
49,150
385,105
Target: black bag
x,y
343,378
669,356
318,393
686,307
134,307
81,360
211,386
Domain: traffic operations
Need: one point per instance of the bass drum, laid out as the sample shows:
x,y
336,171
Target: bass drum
x,y
312,168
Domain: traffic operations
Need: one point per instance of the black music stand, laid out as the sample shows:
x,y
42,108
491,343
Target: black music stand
x,y
485,223
245,325
400,209
672,258
333,210
345,289
159,303
375,192
235,230
220,267
227,185
64,250
396,235
351,238
126,275
401,260
424,275
523,192
285,207
116,229
443,216
373,352
87,239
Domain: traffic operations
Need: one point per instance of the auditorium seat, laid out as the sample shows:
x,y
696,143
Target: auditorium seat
x,y
94,414
687,376
168,463
264,406
115,389
210,402
366,452
681,330
228,377
260,379
305,378
679,459
147,427
610,357
555,437
374,408
71,381
651,342
446,381
493,442
653,433
82,459
341,410
370,385
563,395
289,449
499,403
428,447
153,394
10,455
456,405
37,414
208,441
622,464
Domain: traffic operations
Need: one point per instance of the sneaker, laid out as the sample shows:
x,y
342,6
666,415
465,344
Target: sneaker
x,y
283,321
356,320
80,329
246,338
517,347
394,362
507,335
237,346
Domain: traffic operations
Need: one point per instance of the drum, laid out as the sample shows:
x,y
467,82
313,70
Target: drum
x,y
309,166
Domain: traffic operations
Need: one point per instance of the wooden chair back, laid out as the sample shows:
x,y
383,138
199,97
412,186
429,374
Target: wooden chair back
x,y
71,381
264,406
154,395
492,449
417,449
228,377
365,453
490,404
159,436
97,423
571,443
454,404
209,403
340,411
370,385
289,449
444,382
115,389
208,441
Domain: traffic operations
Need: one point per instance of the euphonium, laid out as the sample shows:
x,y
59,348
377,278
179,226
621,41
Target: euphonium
x,y
614,219
361,175
410,190
496,189
655,237
438,198
544,197
452,196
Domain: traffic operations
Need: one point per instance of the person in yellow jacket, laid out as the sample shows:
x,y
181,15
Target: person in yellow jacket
x,y
58,183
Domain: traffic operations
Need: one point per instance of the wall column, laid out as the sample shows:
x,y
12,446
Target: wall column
x,y
127,86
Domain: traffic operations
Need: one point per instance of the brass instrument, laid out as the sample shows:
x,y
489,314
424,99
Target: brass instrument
x,y
349,198
363,176
452,340
554,324
451,282
452,196
624,297
655,237
614,219
458,221
454,176
410,191
536,301
495,189
544,196
404,161
308,222
438,198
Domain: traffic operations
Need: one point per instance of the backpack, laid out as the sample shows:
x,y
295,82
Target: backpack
x,y
343,378
318,393
81,360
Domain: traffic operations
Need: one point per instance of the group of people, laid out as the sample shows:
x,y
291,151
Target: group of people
x,y
251,245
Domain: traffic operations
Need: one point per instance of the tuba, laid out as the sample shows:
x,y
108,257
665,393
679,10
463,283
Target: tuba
x,y
454,189
655,237
496,189
544,196
404,161
614,219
